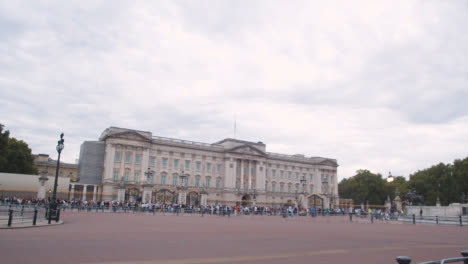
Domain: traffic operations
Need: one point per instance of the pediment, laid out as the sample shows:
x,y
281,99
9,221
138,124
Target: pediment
x,y
247,149
130,135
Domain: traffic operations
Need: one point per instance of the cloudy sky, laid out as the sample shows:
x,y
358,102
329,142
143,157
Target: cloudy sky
x,y
378,85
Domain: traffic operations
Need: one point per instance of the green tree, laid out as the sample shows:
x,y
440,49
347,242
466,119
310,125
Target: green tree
x,y
15,155
364,186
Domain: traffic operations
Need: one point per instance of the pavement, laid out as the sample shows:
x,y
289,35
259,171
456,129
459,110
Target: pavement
x,y
146,238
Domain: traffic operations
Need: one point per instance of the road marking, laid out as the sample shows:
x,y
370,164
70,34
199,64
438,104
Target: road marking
x,y
276,256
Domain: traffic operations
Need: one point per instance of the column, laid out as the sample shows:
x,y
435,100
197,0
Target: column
x,y
147,193
84,192
249,173
241,174
94,192
41,192
72,192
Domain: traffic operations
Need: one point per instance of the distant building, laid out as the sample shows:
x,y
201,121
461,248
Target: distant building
x,y
133,165
45,164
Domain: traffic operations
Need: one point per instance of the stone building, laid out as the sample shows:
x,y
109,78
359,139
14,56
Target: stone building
x,y
47,166
133,165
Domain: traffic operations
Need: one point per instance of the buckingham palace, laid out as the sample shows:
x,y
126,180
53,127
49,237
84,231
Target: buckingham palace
x,y
132,165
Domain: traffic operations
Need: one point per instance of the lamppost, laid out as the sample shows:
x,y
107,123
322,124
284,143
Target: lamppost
x,y
148,175
147,186
304,184
53,204
182,187
254,196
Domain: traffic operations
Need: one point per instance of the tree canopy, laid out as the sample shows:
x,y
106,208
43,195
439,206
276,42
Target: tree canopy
x,y
443,181
15,155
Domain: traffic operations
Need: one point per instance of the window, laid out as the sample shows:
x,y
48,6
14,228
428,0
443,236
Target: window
x,y
187,164
151,179
153,161
281,174
266,186
245,186
136,177
126,176
218,183
163,179
245,171
218,168
207,183
297,175
137,159
128,158
237,184
176,163
116,175
197,182
198,165
208,167
174,180
273,187
117,157
311,176
251,171
164,162
273,173
281,188
289,175
289,188
311,187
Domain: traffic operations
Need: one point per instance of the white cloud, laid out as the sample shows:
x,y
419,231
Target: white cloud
x,y
375,85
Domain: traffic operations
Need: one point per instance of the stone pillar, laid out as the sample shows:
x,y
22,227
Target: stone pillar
x,y
94,192
84,191
398,203
249,173
147,192
72,192
204,198
438,202
41,192
242,175
121,194
388,203
302,201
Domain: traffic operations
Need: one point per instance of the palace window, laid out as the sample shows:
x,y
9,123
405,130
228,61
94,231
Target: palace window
x,y
281,174
207,184
208,167
237,184
163,179
137,159
273,173
245,171
116,175
136,177
151,179
218,183
266,186
128,158
218,168
251,171
197,182
126,176
289,188
153,161
281,188
311,177
176,163
174,180
297,175
273,187
198,165
289,175
117,157
164,162
187,164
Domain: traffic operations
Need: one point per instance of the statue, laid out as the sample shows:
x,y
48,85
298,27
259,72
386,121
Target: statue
x,y
413,198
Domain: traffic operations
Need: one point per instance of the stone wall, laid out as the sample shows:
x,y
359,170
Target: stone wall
x,y
454,209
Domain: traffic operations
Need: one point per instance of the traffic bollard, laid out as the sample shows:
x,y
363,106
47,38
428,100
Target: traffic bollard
x,y
10,217
35,216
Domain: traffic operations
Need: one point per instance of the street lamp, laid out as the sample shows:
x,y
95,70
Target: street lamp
x,y
53,205
390,178
303,182
254,194
148,175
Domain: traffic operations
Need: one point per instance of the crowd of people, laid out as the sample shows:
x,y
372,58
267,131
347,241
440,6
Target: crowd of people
x,y
224,210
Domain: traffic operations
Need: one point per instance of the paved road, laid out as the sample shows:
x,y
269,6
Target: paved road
x,y
140,238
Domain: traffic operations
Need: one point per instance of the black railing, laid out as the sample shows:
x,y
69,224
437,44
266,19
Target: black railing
x,y
463,259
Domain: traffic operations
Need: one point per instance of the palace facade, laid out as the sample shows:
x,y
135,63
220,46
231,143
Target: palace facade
x,y
133,165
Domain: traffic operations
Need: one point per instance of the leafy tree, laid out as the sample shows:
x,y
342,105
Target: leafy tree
x,y
15,155
364,186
